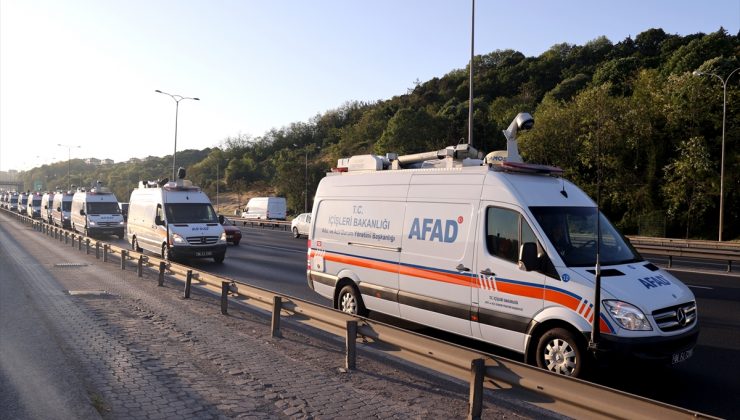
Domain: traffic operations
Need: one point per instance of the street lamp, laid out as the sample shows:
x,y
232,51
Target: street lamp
x,y
177,99
69,158
722,162
305,176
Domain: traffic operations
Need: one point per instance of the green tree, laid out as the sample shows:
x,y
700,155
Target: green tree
x,y
688,183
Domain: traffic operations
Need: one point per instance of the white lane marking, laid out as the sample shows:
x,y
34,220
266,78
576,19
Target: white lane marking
x,y
700,287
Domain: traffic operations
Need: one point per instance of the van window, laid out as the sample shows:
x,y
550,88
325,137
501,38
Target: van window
x,y
103,207
191,213
505,231
572,232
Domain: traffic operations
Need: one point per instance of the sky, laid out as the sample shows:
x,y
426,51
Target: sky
x,y
83,73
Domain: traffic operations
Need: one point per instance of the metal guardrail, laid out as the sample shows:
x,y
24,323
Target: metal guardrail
x,y
728,252
568,396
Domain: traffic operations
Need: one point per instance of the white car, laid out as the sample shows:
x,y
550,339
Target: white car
x,y
301,225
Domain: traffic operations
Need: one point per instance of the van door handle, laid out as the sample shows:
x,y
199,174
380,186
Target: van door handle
x,y
488,272
461,267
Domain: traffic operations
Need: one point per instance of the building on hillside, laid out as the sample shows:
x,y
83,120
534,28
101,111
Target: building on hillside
x,y
92,161
107,162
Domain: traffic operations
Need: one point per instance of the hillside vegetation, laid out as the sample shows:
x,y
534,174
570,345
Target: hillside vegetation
x,y
657,129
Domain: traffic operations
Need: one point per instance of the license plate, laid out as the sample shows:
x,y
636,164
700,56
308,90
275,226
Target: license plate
x,y
681,356
203,254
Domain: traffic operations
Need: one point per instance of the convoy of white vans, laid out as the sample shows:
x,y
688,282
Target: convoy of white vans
x,y
494,249
497,250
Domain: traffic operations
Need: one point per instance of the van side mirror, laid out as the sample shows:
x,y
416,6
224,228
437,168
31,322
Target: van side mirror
x,y
528,256
59,208
82,212
221,219
158,221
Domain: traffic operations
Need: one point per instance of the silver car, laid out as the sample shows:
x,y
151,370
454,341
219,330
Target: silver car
x,y
301,225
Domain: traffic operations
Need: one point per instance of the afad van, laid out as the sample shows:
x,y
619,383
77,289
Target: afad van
x,y
498,250
174,220
61,206
33,207
95,212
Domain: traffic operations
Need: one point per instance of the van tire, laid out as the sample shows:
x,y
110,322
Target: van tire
x,y
219,258
295,233
559,351
349,301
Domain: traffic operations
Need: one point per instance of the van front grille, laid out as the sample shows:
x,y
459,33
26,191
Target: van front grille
x,y
676,317
202,240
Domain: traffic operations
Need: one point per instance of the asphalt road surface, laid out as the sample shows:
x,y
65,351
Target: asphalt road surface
x,y
708,382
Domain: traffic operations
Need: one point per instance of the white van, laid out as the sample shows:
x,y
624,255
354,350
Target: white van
x,y
61,206
96,212
33,207
13,201
273,208
179,211
22,203
500,251
46,201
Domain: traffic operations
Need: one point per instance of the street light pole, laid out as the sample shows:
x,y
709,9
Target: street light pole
x,y
177,99
722,162
69,159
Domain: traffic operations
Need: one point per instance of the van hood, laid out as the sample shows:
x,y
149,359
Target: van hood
x,y
638,284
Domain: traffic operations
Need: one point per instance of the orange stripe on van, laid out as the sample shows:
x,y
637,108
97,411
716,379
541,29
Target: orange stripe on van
x,y
561,298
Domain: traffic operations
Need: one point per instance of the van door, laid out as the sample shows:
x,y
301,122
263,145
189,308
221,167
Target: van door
x,y
507,297
435,274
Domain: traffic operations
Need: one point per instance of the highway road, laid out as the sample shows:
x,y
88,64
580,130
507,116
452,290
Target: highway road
x,y
708,382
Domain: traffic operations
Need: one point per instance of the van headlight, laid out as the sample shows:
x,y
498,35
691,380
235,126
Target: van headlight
x,y
92,223
177,239
627,316
223,236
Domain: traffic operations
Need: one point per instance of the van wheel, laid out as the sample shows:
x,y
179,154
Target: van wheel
x,y
135,245
349,301
219,258
295,233
558,351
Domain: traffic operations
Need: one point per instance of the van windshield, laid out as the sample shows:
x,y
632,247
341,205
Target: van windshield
x,y
191,213
103,207
572,231
36,202
66,205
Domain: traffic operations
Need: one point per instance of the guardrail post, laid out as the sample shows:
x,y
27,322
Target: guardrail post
x,y
87,246
162,266
350,345
729,266
105,252
477,372
188,280
140,266
79,243
72,237
97,250
66,237
224,297
277,306
670,261
123,259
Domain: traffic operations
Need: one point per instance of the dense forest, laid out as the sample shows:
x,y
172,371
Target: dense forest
x,y
634,112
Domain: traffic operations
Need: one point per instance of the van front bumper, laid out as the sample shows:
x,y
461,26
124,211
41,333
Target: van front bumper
x,y
106,230
670,349
198,252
